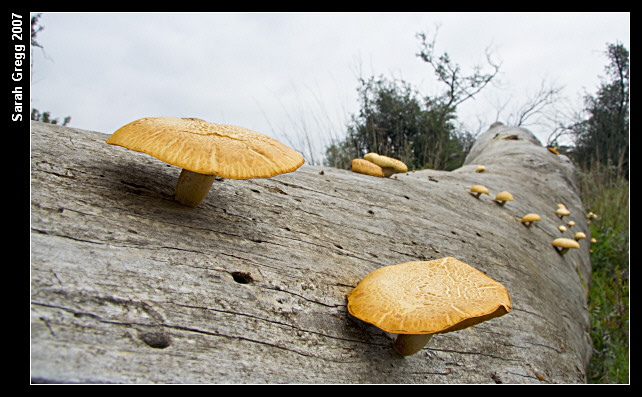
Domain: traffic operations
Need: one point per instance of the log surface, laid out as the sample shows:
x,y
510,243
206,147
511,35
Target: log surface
x,y
128,286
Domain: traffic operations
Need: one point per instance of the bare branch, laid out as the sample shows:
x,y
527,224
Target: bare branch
x,y
460,87
547,95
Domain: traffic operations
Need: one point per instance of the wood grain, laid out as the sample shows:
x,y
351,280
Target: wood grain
x,y
128,286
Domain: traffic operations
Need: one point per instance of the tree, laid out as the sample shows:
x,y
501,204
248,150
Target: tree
x,y
602,137
387,119
45,117
35,113
459,87
35,29
396,121
539,108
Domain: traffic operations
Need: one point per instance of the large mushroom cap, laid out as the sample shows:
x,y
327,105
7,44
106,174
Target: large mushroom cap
x,y
366,167
386,162
427,297
208,148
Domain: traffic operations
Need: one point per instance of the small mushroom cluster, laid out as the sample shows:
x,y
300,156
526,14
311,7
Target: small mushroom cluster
x,y
501,198
563,244
477,190
377,165
416,300
562,211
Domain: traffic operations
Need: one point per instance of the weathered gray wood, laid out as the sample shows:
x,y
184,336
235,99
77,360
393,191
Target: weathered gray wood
x,y
250,286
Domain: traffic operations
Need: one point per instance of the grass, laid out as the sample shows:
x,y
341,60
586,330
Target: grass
x,y
607,195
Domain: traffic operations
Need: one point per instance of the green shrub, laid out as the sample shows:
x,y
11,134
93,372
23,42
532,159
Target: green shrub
x,y
607,195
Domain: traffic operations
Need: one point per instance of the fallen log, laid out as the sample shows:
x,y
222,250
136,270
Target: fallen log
x,y
129,286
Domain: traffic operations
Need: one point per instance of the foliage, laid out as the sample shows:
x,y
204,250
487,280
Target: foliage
x,y
45,117
605,192
603,136
35,29
395,121
601,156
35,113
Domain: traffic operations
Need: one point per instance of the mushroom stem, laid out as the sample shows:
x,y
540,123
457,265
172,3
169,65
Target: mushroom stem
x,y
408,344
192,187
561,251
387,171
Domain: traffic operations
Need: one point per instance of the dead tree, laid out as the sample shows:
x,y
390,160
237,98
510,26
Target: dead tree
x,y
128,286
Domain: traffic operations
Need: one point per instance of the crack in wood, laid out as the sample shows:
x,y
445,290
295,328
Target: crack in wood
x,y
119,252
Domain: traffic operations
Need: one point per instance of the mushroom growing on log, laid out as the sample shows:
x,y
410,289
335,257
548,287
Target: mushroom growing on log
x,y
418,299
206,150
387,164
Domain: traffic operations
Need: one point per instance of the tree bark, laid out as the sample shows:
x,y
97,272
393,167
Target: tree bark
x,y
129,286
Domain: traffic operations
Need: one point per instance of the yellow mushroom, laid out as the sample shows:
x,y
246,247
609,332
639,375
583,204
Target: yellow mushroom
x,y
477,190
579,236
414,300
366,167
528,219
562,212
503,197
205,150
387,164
480,168
564,244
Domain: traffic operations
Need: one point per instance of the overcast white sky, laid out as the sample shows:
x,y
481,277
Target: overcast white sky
x,y
293,76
